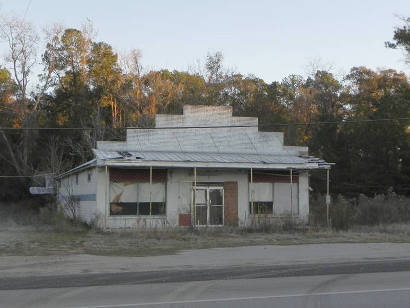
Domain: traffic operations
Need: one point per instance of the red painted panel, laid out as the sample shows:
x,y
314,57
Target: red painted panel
x,y
184,220
137,175
272,178
231,203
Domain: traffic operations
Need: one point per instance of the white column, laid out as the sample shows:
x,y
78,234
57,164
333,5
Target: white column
x,y
304,196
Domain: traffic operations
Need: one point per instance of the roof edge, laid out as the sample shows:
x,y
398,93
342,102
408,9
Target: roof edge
x,y
89,164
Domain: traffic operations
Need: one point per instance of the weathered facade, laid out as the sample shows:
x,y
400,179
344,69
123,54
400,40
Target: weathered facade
x,y
202,168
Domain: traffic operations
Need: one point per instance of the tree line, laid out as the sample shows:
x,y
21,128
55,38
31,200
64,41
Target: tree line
x,y
360,121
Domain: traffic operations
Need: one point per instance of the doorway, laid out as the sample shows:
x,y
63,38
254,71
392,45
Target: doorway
x,y
209,205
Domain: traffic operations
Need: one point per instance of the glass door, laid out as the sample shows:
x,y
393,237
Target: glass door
x,y
209,206
201,206
216,206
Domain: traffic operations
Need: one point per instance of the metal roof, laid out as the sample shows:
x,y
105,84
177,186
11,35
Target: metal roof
x,y
203,136
220,158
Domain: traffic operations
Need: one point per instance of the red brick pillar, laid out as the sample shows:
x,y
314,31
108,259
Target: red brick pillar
x,y
231,203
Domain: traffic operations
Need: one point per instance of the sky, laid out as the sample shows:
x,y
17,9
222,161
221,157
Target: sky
x,y
268,39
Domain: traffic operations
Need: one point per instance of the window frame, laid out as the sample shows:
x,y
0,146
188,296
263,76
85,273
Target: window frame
x,y
164,203
275,208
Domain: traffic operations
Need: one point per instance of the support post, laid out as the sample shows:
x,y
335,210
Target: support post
x,y
291,193
150,190
107,201
194,199
327,198
252,210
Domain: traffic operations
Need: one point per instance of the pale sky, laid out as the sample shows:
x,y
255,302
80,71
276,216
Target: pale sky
x,y
269,39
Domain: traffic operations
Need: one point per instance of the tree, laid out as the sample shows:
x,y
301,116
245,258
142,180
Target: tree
x,y
377,154
22,54
21,41
401,38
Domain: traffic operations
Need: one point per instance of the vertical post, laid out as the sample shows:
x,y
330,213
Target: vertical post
x,y
252,210
327,198
150,190
291,192
194,198
107,201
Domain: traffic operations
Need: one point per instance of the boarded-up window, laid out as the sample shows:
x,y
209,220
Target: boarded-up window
x,y
132,194
261,198
274,198
282,199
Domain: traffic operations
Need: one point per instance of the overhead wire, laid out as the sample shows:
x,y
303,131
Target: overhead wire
x,y
216,126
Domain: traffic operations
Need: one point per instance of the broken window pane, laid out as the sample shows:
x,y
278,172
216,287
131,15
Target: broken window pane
x,y
200,196
158,208
215,197
262,198
261,207
123,208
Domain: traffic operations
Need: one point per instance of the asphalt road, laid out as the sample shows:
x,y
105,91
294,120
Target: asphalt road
x,y
361,284
219,273
388,289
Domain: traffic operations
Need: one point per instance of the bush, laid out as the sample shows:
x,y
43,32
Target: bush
x,y
341,213
40,215
344,213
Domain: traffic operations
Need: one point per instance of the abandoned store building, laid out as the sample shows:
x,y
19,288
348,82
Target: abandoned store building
x,y
202,168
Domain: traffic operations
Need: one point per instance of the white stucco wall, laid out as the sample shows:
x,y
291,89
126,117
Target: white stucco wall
x,y
304,196
84,190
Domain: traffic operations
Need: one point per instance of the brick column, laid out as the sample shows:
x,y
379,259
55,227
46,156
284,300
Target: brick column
x,y
231,203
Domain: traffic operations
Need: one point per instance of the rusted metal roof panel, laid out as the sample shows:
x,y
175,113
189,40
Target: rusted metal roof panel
x,y
200,157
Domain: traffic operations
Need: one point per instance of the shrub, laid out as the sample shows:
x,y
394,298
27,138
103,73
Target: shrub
x,y
341,213
381,209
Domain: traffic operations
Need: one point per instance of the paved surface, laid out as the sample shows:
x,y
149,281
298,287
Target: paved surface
x,y
188,275
325,275
346,290
21,266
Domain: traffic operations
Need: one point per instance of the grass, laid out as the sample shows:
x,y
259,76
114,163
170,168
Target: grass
x,y
37,242
47,232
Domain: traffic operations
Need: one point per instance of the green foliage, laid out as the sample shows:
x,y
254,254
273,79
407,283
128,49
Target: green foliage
x,y
361,210
401,37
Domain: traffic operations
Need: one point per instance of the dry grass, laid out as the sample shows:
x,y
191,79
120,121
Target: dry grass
x,y
49,233
26,241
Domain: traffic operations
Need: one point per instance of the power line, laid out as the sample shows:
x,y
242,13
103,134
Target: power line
x,y
27,8
342,122
217,126
25,176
